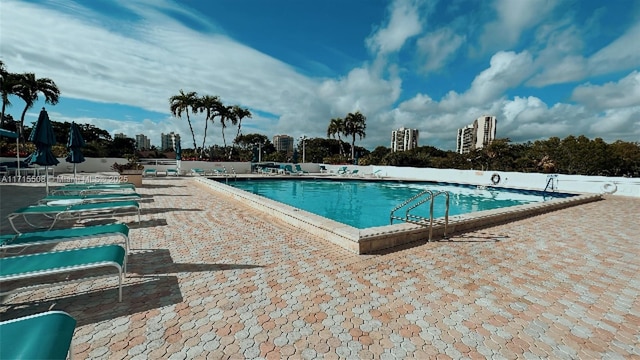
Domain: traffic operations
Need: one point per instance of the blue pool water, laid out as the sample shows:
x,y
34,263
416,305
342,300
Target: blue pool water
x,y
364,204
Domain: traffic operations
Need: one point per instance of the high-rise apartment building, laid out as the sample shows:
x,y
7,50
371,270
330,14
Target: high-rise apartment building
x,y
169,141
283,143
404,139
120,136
464,139
477,135
142,142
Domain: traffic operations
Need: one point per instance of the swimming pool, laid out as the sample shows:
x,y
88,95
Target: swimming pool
x,y
378,238
365,204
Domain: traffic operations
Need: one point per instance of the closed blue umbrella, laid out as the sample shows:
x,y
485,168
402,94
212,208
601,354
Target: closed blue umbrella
x,y
74,144
44,138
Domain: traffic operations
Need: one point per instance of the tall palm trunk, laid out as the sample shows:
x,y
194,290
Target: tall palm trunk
x,y
341,145
195,147
4,106
224,141
353,147
204,140
21,126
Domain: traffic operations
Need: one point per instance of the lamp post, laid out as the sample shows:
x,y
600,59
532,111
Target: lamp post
x,y
303,138
259,151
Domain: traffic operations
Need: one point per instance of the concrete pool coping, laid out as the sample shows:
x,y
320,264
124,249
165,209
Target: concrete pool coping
x,y
371,240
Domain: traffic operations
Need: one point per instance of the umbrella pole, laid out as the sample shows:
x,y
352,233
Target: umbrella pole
x,y
46,178
75,181
18,154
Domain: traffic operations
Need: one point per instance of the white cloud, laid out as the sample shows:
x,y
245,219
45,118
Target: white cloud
x,y
624,93
404,23
623,53
506,70
562,62
438,47
513,17
148,65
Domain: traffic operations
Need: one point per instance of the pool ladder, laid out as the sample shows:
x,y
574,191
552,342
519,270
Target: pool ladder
x,y
421,198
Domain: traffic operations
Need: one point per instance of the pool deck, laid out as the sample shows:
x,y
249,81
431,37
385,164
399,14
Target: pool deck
x,y
210,277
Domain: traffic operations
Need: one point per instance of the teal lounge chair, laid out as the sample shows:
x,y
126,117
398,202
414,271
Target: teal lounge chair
x,y
219,172
377,174
172,172
47,335
100,185
149,172
80,189
61,262
342,171
24,240
299,170
88,198
287,170
353,173
197,171
79,211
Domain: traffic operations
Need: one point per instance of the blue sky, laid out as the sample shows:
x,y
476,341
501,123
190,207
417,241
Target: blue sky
x,y
544,68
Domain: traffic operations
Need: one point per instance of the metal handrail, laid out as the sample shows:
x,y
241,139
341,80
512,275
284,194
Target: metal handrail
x,y
419,220
405,204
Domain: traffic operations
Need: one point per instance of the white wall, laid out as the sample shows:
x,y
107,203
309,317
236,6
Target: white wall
x,y
535,181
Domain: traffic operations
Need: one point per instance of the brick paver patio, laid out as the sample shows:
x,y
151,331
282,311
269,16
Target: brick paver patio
x,y
211,278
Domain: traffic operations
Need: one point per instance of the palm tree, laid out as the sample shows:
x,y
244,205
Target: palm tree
x,y
209,105
182,102
355,124
239,114
226,113
336,127
27,87
7,84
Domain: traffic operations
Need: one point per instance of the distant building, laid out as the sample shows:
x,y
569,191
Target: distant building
x,y
477,135
283,143
120,136
142,142
169,141
464,139
404,139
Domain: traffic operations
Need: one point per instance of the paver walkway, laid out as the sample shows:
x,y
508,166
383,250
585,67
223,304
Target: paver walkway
x,y
211,278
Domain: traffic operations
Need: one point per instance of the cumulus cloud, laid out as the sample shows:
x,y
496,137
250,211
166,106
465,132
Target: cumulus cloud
x,y
562,62
513,17
506,70
438,47
147,65
404,23
624,93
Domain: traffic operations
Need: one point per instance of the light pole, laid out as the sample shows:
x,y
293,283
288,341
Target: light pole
x,y
303,138
259,152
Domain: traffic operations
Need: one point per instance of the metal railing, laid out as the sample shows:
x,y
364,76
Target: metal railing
x,y
551,182
426,195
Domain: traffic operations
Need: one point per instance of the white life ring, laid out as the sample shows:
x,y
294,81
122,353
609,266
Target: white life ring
x,y
609,188
495,179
